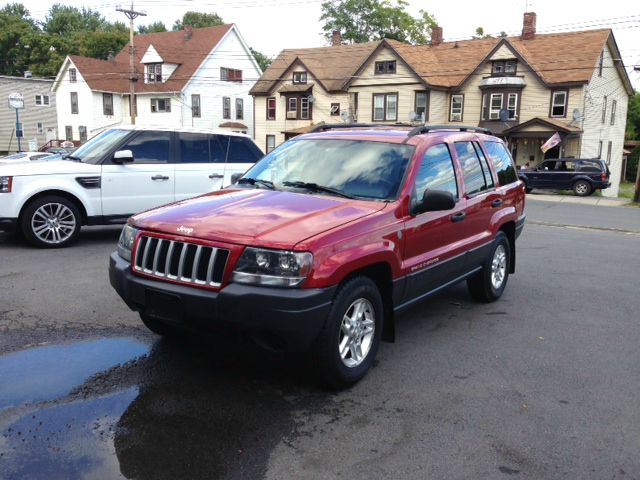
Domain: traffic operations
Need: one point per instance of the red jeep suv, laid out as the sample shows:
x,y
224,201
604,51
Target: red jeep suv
x,y
320,244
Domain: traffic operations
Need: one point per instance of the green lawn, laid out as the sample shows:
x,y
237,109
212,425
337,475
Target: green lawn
x,y
626,190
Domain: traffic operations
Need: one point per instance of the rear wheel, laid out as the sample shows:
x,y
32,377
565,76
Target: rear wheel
x,y
489,283
51,222
349,341
582,188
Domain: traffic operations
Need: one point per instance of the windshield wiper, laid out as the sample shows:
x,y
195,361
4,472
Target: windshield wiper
x,y
257,181
77,159
314,187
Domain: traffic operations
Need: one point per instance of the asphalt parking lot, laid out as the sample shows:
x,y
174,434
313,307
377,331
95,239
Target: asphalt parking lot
x,y
543,384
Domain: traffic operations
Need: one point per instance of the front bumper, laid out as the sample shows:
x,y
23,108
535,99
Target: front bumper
x,y
288,319
8,224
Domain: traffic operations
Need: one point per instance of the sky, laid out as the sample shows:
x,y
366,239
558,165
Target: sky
x,y
270,26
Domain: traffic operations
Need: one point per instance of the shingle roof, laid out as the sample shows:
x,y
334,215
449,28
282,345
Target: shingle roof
x,y
173,47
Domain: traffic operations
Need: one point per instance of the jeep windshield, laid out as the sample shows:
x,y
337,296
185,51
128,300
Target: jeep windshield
x,y
94,150
350,168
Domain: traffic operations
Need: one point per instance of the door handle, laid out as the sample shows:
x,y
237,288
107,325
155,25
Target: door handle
x,y
159,177
458,217
496,203
216,175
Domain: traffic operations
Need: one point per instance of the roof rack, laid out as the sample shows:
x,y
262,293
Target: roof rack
x,y
337,126
458,128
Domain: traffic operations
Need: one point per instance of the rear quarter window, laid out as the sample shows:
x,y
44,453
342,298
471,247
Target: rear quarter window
x,y
501,162
242,150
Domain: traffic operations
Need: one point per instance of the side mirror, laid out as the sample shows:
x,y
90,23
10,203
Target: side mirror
x,y
435,201
123,156
235,177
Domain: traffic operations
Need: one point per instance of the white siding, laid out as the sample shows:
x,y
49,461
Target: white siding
x,y
610,85
147,117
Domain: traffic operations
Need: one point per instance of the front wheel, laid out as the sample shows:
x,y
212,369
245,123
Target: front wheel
x,y
489,283
349,341
51,222
582,188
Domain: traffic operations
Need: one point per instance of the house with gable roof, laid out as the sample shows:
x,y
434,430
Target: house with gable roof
x,y
193,78
523,88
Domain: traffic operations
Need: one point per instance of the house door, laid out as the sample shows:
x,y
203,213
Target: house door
x,y
553,152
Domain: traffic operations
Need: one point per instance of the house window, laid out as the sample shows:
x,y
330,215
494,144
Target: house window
x,y
68,133
42,100
600,63
73,75
614,104
455,110
495,105
271,108
604,108
559,104
335,109
107,104
385,107
154,72
74,103
195,105
271,142
504,67
512,105
422,105
299,77
388,66
82,130
160,105
609,153
600,150
40,128
292,108
226,107
239,108
230,75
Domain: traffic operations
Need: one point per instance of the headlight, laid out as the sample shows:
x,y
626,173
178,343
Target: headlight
x,y
5,184
125,243
274,268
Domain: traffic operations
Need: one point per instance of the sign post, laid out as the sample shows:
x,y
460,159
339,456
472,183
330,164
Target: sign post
x,y
16,101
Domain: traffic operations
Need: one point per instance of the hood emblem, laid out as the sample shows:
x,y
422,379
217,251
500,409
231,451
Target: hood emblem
x,y
185,230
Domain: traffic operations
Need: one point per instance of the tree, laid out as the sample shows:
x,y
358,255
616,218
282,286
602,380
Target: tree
x,y
66,20
633,118
366,20
198,20
480,34
154,27
261,58
17,30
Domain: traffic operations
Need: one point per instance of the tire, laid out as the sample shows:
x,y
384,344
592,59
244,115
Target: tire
x,y
51,222
527,189
341,367
582,188
157,327
489,283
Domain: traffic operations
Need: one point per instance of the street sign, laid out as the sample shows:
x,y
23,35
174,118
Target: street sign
x,y
16,100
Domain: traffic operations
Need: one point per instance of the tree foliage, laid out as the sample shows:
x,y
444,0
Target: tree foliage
x,y
198,20
633,118
155,27
480,34
261,58
367,20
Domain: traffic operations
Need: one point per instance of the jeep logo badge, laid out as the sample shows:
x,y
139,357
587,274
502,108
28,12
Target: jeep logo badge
x,y
185,230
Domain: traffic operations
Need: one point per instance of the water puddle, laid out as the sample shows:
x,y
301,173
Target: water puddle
x,y
50,372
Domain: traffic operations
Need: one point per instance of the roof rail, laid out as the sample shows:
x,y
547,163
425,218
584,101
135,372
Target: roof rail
x,y
458,128
337,126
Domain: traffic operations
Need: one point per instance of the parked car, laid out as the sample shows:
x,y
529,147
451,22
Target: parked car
x,y
321,243
581,175
122,171
23,157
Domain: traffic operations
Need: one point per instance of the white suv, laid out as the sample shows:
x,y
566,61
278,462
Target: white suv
x,y
122,171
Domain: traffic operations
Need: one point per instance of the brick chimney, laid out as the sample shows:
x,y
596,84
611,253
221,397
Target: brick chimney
x,y
336,38
436,35
529,26
188,32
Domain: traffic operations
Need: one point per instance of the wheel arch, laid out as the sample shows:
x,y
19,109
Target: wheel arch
x,y
61,193
509,229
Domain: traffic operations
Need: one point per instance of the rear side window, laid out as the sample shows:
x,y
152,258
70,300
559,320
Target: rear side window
x,y
242,150
501,162
194,148
586,166
150,147
488,176
436,172
474,174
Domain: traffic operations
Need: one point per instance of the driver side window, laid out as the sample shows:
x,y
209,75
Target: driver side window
x,y
436,172
150,147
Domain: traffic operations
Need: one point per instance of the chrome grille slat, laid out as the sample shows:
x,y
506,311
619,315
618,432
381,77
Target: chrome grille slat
x,y
183,258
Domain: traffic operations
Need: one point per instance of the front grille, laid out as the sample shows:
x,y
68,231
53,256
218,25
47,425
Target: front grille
x,y
181,261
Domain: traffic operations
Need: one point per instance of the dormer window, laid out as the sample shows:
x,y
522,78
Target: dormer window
x,y
154,72
388,66
504,67
299,77
73,75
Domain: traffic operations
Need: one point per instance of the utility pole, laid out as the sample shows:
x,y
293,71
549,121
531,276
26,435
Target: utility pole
x,y
131,14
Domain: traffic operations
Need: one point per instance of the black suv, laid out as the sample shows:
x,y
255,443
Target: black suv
x,y
583,176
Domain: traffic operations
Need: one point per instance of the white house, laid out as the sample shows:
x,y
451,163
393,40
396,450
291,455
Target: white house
x,y
191,78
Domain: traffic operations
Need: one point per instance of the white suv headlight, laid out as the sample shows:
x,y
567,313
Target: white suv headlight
x,y
5,184
125,243
273,268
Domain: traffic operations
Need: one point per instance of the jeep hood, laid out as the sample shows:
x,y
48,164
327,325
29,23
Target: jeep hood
x,y
267,218
47,167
